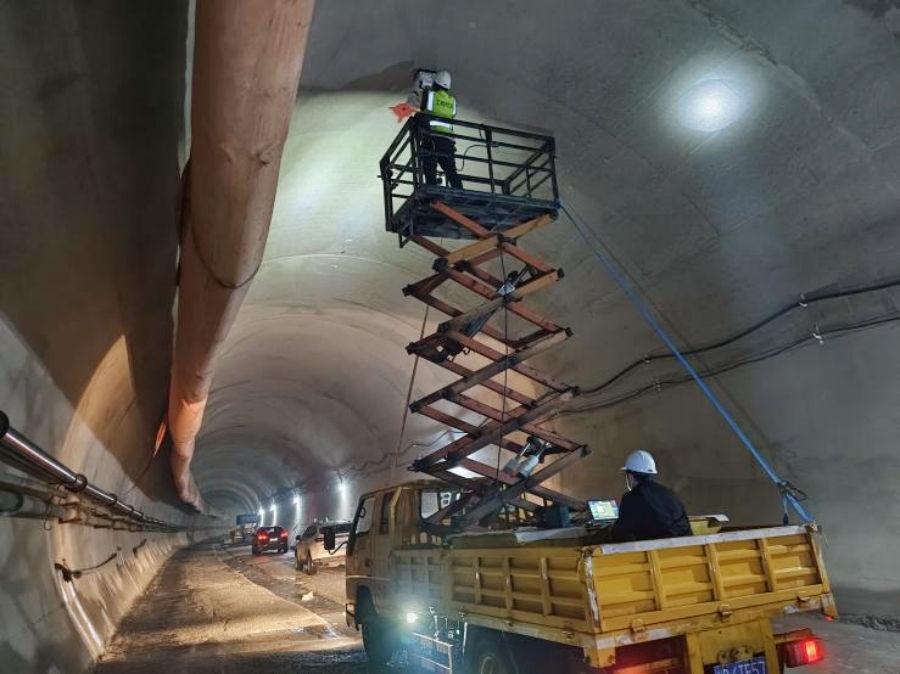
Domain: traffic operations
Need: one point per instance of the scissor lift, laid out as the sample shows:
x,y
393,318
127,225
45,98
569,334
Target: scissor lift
x,y
515,195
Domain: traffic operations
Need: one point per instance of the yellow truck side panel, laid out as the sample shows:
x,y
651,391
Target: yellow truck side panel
x,y
656,582
606,596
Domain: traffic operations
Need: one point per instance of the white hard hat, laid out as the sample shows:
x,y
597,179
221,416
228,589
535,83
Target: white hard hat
x,y
442,78
640,461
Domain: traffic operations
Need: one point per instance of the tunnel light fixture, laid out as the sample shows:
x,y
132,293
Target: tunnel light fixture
x,y
710,106
296,501
262,515
274,510
342,486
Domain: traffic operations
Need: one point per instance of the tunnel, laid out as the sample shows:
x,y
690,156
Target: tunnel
x,y
736,165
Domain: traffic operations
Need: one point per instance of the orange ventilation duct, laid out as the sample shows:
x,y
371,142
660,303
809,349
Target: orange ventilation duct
x,y
247,60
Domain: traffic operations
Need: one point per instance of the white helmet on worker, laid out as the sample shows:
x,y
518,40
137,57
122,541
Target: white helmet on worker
x,y
442,79
640,461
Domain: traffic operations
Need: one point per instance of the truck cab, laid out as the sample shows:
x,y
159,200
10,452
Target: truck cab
x,y
534,599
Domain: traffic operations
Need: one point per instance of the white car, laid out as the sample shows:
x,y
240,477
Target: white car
x,y
311,553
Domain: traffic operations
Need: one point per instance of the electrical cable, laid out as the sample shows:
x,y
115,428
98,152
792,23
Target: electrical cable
x,y
412,380
69,575
465,154
373,463
788,497
803,302
660,384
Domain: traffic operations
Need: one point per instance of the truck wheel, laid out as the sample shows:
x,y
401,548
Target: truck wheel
x,y
377,639
491,657
310,565
297,563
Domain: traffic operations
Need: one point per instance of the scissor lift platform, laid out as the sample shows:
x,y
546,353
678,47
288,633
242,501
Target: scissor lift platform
x,y
496,213
509,177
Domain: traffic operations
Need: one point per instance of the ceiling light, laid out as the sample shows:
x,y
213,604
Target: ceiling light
x,y
710,106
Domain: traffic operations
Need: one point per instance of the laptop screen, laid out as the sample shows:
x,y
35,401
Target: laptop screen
x,y
603,510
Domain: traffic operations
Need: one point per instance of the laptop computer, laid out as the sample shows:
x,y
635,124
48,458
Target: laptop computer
x,y
603,511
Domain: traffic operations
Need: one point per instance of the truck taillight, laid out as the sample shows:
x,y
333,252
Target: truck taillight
x,y
804,652
284,535
263,536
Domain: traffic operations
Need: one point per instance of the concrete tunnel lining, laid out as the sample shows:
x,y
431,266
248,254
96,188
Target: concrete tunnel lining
x,y
718,230
731,232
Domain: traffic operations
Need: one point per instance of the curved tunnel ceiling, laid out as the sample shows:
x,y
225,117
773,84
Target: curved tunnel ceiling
x,y
729,158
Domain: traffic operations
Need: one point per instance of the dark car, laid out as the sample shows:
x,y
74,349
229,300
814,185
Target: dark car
x,y
269,538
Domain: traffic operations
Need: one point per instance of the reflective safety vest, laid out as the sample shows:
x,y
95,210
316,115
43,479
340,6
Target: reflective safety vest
x,y
440,103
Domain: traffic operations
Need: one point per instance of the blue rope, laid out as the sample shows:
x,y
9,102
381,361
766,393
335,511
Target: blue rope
x,y
611,267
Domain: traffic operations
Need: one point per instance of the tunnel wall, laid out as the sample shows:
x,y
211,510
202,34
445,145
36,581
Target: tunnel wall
x,y
91,123
821,413
717,231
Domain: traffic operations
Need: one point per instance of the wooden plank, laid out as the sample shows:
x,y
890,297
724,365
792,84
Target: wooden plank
x,y
546,606
492,281
490,433
470,251
772,601
766,557
507,585
475,228
487,244
483,349
452,311
715,572
659,586
428,245
527,227
542,492
496,387
463,426
693,653
497,415
488,505
477,580
527,258
489,292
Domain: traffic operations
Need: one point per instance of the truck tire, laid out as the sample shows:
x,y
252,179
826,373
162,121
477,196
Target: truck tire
x,y
310,565
297,563
491,657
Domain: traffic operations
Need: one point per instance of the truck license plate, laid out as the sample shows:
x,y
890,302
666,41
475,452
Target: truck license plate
x,y
754,666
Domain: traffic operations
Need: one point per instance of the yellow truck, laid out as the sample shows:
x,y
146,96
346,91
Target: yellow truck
x,y
567,600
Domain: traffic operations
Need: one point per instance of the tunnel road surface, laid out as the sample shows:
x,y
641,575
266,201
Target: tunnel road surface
x,y
220,609
215,609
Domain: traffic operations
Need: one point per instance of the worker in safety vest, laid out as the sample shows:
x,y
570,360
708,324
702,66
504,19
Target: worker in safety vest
x,y
437,142
648,509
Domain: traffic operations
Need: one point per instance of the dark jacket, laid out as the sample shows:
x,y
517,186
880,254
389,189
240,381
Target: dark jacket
x,y
649,511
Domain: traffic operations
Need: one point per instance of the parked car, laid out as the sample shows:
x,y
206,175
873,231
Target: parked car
x,y
269,538
311,551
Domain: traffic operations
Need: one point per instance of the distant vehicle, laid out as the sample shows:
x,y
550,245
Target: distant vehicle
x,y
245,527
311,552
270,538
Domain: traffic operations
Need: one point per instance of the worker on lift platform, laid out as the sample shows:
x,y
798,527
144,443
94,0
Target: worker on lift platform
x,y
648,510
436,100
